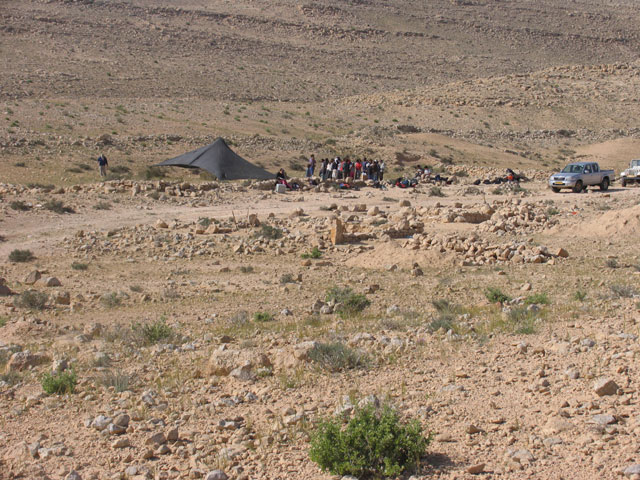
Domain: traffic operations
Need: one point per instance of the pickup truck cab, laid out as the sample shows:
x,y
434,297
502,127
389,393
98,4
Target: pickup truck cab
x,y
631,174
578,176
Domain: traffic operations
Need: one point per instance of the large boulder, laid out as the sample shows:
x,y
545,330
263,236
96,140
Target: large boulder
x,y
26,359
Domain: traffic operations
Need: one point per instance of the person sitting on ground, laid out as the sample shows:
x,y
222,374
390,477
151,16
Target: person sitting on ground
x,y
281,179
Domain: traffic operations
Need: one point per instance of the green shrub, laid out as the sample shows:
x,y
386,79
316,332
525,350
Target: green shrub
x,y
538,299
19,205
152,333
3,321
21,256
262,317
314,253
79,266
31,299
495,295
205,221
349,302
336,356
372,444
110,300
270,232
57,206
580,295
59,383
551,211
246,269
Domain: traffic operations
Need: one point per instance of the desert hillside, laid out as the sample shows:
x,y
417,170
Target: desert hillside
x,y
164,324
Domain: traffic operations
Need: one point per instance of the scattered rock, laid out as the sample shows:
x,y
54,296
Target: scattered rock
x,y
605,386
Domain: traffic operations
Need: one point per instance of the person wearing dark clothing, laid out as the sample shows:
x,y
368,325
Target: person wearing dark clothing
x,y
103,164
312,166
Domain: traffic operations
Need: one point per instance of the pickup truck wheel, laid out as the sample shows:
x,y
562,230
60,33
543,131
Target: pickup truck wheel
x,y
578,187
624,182
605,184
555,189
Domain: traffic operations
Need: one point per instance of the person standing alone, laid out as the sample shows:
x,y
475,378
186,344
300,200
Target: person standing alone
x,y
103,164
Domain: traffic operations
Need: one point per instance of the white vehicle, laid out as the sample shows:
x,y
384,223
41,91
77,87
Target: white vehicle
x,y
578,176
631,174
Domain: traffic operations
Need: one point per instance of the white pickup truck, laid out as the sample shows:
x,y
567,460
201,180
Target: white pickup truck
x,y
578,176
631,174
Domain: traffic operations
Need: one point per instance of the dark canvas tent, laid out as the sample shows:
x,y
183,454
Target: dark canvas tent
x,y
219,160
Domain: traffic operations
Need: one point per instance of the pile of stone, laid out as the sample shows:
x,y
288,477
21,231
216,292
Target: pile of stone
x,y
477,251
527,218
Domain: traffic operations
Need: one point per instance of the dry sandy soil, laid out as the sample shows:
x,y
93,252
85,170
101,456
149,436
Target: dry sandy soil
x,y
543,385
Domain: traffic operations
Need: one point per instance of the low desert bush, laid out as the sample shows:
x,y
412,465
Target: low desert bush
x,y
57,206
270,232
120,169
349,303
150,173
495,295
336,356
580,295
611,263
110,300
445,318
102,206
205,221
19,205
522,320
59,383
287,278
79,266
21,256
623,291
373,444
43,187
246,269
314,253
538,299
119,381
436,192
151,333
31,299
11,378
262,317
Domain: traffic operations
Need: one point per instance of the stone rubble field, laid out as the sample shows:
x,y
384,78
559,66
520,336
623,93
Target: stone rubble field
x,y
194,317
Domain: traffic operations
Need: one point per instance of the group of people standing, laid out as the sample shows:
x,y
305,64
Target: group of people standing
x,y
343,169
